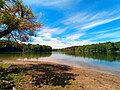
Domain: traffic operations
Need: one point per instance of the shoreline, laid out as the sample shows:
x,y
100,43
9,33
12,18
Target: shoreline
x,y
94,69
53,62
85,79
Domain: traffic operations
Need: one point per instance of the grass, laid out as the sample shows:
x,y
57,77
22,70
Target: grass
x,y
6,81
35,76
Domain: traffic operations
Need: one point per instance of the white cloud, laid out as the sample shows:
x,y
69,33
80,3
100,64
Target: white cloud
x,y
47,33
46,36
105,31
99,22
107,35
37,39
53,42
74,36
83,42
87,20
56,43
81,22
56,31
61,4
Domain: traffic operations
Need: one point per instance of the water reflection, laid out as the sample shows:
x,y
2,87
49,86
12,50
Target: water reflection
x,y
100,56
20,55
103,62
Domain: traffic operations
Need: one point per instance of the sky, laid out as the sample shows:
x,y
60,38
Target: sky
x,y
68,23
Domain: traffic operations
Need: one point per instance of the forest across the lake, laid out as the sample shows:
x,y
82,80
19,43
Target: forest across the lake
x,y
99,47
10,46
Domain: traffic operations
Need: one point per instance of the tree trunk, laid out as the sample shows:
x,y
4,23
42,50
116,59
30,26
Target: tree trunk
x,y
5,32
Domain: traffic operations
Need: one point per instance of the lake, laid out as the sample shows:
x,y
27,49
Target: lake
x,y
102,62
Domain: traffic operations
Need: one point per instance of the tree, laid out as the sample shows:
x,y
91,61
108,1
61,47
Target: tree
x,y
16,20
110,46
1,3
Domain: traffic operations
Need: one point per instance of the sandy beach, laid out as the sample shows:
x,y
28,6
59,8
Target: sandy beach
x,y
53,76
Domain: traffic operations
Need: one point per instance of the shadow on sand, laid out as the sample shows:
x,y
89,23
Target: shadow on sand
x,y
45,74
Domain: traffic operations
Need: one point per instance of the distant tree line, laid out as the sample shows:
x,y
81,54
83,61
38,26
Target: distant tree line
x,y
10,46
100,47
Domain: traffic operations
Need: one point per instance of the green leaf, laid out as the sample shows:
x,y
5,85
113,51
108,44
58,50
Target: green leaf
x,y
1,3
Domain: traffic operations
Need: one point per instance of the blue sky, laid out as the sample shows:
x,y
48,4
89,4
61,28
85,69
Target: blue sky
x,y
76,22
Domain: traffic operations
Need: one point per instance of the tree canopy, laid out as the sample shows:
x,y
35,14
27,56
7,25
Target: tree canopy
x,y
99,47
17,20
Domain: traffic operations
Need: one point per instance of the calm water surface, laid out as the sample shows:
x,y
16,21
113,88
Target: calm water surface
x,y
101,62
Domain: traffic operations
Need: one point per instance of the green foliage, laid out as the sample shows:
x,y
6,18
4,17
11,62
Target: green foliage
x,y
9,46
100,47
4,66
16,20
6,81
103,51
117,45
1,3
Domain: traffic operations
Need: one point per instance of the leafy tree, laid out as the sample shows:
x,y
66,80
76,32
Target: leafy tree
x,y
1,3
16,20
110,46
117,45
